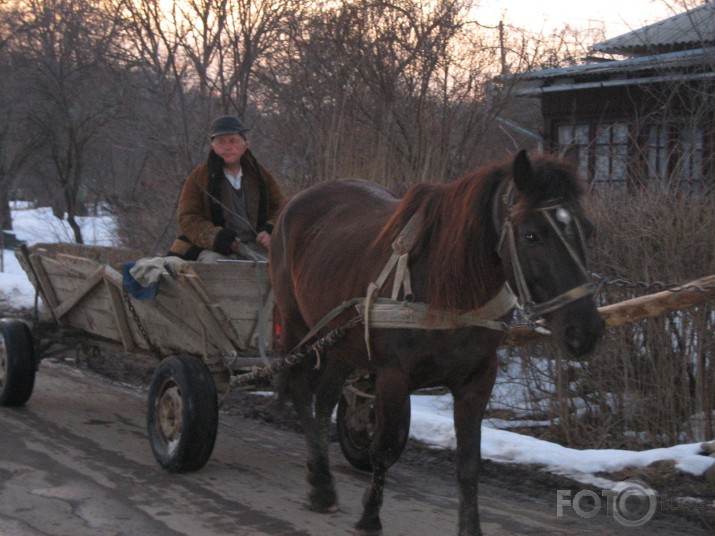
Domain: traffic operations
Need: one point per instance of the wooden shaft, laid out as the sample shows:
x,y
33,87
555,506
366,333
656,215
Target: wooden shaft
x,y
626,312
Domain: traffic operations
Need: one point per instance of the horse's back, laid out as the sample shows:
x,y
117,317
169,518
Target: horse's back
x,y
334,199
323,244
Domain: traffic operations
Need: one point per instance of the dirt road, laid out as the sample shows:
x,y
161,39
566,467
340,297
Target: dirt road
x,y
76,461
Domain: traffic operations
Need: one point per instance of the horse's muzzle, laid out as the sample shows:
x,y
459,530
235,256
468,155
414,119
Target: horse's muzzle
x,y
578,327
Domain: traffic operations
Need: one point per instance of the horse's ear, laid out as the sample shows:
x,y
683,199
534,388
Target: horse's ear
x,y
523,172
571,155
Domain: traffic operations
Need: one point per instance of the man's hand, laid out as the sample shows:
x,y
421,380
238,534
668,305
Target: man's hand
x,y
264,239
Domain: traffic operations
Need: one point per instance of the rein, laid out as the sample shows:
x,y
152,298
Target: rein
x,y
507,236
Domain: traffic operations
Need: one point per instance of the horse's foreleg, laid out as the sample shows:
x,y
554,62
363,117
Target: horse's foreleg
x,y
470,401
391,404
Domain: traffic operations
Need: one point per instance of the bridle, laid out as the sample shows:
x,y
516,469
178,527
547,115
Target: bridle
x,y
507,238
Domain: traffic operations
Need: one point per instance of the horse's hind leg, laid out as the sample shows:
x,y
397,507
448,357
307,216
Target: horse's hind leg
x,y
391,398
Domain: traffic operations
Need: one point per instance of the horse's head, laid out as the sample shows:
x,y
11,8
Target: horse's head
x,y
543,229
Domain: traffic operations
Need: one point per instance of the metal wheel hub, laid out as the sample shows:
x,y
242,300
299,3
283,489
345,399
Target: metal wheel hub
x,y
360,420
170,410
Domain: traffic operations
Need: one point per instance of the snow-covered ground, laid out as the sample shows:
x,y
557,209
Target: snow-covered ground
x,y
431,415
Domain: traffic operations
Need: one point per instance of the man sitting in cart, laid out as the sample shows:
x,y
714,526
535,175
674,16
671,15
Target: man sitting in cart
x,y
228,205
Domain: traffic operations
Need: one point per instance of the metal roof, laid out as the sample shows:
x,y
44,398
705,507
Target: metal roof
x,y
655,62
681,65
693,28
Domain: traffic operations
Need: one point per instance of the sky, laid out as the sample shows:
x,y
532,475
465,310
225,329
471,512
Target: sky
x,y
431,415
617,16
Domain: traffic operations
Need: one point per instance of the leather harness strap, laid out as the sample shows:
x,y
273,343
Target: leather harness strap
x,y
393,314
389,314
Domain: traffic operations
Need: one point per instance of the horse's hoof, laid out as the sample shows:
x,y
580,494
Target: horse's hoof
x,y
368,529
323,509
323,501
367,532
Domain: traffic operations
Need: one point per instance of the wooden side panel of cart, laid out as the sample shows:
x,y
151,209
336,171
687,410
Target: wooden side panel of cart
x,y
207,309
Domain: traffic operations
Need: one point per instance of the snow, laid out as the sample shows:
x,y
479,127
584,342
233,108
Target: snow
x,y
34,225
432,424
431,414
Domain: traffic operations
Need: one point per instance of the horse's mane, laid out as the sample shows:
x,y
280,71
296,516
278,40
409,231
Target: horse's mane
x,y
458,236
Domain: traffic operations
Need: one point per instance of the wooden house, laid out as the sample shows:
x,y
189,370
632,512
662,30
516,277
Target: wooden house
x,y
642,109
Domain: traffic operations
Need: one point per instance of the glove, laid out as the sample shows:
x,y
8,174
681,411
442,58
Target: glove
x,y
223,241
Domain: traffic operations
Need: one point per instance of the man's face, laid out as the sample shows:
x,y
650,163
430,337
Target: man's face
x,y
230,147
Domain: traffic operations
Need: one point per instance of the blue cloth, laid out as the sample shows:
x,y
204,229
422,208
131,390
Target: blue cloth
x,y
134,288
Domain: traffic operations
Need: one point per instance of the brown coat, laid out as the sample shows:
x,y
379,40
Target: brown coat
x,y
202,218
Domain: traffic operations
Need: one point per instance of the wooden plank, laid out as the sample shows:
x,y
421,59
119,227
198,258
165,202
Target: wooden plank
x,y
46,289
76,265
266,326
198,310
117,300
94,315
234,283
68,267
98,254
80,292
240,290
65,284
172,323
217,313
628,311
177,332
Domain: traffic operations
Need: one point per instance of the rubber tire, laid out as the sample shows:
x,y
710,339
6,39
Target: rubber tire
x,y
355,442
182,414
17,363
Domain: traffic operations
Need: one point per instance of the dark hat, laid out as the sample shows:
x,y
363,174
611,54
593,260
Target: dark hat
x,y
226,124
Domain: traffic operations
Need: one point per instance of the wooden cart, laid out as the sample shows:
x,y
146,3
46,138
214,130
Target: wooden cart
x,y
205,323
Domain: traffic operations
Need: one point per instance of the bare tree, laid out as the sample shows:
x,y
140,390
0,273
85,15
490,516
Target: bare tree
x,y
392,91
70,85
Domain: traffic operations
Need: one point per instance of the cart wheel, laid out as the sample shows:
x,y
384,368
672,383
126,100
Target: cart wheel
x,y
17,363
182,414
356,421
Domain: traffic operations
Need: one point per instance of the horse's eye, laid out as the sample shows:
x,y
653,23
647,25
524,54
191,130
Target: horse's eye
x,y
531,237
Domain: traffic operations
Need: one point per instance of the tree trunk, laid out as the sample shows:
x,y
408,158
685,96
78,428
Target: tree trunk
x,y
5,214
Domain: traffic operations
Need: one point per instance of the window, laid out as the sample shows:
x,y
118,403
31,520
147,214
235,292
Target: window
x,y
603,151
675,153
611,154
578,136
691,157
657,152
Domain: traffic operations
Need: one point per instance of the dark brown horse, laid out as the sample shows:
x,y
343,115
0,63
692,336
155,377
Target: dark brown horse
x,y
519,222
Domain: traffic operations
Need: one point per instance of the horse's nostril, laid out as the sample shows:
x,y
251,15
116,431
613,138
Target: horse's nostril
x,y
580,341
573,336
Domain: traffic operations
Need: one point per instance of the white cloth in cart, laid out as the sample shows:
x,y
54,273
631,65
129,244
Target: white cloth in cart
x,y
148,270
